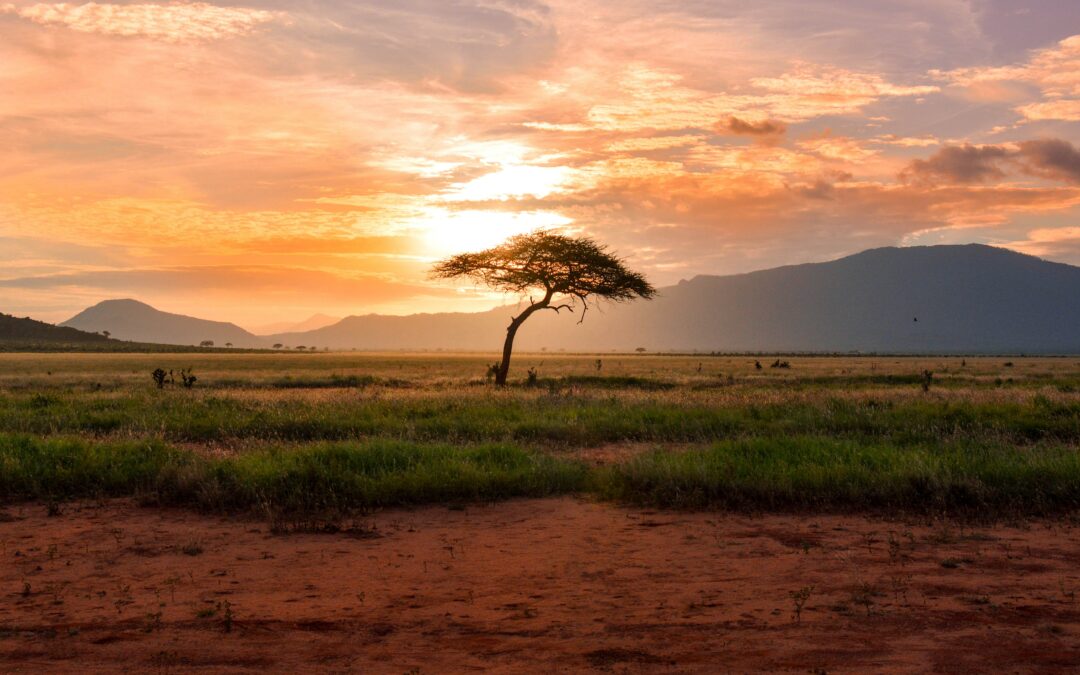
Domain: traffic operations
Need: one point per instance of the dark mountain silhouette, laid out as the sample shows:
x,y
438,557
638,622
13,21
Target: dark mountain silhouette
x,y
139,322
969,298
30,331
965,299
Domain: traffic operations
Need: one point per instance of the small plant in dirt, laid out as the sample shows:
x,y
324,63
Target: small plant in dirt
x,y
1068,594
864,594
798,601
900,586
226,616
153,622
192,548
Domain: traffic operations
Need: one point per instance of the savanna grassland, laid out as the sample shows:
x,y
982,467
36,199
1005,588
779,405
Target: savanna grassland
x,y
349,512
337,432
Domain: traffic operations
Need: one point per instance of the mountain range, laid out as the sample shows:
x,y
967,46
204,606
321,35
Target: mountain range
x,y
970,299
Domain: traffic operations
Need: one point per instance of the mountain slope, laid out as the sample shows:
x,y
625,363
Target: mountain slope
x,y
311,323
970,298
30,331
139,322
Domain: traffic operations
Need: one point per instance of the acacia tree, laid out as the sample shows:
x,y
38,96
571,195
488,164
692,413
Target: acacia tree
x,y
569,271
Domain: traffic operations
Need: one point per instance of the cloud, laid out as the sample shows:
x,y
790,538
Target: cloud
x,y
959,164
741,127
167,22
1067,110
1055,71
650,98
1051,158
282,282
1058,242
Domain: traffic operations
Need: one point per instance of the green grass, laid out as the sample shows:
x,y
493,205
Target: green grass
x,y
797,474
793,474
299,433
322,477
554,420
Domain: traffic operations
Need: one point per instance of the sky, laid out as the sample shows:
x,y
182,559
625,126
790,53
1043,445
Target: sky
x,y
262,161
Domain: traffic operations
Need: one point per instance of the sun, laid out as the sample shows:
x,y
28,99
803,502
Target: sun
x,y
446,232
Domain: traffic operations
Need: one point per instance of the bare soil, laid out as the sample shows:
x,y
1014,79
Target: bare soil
x,y
559,585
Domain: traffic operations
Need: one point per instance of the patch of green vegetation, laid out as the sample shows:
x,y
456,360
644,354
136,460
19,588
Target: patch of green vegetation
x,y
793,474
353,431
321,477
551,419
813,473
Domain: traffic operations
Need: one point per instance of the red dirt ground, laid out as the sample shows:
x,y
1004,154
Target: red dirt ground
x,y
557,585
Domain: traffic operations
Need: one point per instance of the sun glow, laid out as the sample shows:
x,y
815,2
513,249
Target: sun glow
x,y
446,232
510,181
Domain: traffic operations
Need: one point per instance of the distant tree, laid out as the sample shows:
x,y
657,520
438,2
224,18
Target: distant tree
x,y
206,343
278,345
641,350
567,270
228,344
300,348
106,333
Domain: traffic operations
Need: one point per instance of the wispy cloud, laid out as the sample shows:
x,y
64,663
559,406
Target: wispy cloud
x,y
1055,71
171,22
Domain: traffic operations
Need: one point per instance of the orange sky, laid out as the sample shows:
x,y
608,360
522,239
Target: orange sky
x,y
261,162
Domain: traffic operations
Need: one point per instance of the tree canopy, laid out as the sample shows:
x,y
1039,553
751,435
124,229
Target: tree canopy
x,y
576,267
568,270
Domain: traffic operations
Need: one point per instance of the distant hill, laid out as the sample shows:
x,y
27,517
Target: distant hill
x,y
311,323
932,299
30,331
138,322
970,299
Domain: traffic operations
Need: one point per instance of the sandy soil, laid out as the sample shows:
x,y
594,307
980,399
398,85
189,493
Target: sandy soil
x,y
556,585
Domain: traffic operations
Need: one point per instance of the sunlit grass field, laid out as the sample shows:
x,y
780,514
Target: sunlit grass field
x,y
335,432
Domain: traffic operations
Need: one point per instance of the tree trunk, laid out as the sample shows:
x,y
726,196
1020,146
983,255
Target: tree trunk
x,y
508,348
511,331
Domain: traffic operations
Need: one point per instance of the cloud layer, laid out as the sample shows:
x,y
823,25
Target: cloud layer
x,y
249,160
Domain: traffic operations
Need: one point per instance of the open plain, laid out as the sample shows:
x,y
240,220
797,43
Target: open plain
x,y
340,512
